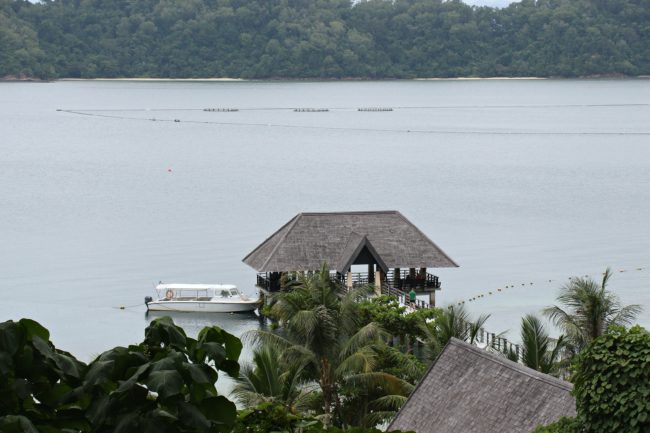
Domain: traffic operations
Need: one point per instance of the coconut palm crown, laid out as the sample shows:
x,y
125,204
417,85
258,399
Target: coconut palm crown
x,y
588,309
320,329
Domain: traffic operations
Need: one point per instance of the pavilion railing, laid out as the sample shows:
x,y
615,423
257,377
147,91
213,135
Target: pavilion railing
x,y
418,281
401,286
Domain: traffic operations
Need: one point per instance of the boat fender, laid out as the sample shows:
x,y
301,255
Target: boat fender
x,y
169,294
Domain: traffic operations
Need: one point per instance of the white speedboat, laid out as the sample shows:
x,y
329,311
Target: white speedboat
x,y
200,298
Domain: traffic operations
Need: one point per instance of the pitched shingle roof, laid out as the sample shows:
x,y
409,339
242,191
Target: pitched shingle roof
x,y
469,390
310,239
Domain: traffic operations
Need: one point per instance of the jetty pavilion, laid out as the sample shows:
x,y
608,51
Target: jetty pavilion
x,y
398,255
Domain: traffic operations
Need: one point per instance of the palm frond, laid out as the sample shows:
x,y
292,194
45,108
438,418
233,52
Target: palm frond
x,y
389,402
259,337
370,334
378,417
387,382
588,309
363,360
625,315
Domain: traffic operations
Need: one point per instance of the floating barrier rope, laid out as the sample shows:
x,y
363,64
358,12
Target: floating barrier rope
x,y
97,113
311,110
404,107
512,286
375,109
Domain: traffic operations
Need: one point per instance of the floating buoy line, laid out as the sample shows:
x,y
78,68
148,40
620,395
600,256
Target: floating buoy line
x,y
509,286
311,110
375,109
221,110
103,114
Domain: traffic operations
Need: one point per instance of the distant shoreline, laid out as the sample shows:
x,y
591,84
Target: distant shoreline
x,y
227,79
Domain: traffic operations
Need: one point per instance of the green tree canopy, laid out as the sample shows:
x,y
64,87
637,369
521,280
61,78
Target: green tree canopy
x,y
322,38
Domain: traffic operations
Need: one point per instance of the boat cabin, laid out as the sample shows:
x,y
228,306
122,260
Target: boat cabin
x,y
195,292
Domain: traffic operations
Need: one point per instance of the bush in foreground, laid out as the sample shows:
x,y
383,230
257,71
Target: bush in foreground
x,y
612,385
164,384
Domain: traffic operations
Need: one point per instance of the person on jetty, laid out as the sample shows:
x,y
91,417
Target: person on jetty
x,y
412,297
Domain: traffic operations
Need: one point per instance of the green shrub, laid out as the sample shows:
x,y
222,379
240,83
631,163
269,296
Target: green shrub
x,y
612,382
564,425
166,384
37,381
275,418
611,385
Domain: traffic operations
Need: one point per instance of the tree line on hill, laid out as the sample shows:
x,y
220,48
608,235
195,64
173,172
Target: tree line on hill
x,y
322,38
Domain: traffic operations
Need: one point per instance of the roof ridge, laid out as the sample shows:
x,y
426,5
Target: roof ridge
x,y
512,365
291,225
361,212
427,238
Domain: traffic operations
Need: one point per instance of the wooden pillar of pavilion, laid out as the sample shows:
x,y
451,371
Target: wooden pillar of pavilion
x,y
432,298
378,281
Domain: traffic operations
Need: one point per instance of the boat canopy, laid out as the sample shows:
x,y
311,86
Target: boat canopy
x,y
196,287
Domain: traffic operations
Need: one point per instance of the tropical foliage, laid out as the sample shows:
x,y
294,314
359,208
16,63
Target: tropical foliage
x,y
273,418
588,309
612,382
563,425
164,384
322,336
322,38
37,381
539,351
453,322
611,385
394,318
265,380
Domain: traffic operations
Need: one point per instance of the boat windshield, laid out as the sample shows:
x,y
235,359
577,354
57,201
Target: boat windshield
x,y
234,292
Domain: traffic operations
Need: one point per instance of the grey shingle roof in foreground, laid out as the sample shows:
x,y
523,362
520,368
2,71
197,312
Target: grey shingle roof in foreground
x,y
469,390
310,239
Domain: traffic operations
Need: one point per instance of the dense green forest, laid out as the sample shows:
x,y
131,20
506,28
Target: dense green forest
x,y
322,38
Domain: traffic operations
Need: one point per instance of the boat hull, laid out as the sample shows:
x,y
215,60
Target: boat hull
x,y
203,307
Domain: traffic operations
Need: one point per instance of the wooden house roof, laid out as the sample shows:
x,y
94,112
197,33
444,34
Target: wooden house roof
x,y
310,239
470,390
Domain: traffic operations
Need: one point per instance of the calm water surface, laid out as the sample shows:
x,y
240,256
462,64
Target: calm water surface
x,y
519,181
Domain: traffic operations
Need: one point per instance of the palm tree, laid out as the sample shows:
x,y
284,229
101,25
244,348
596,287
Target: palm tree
x,y
454,321
267,380
589,309
539,351
320,326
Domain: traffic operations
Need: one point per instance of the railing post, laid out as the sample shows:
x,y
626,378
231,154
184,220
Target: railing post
x,y
517,350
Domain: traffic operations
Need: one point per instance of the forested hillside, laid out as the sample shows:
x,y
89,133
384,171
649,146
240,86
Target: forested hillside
x,y
322,38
